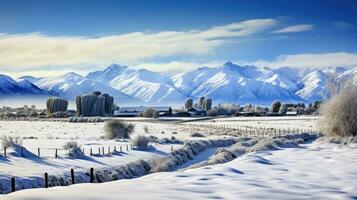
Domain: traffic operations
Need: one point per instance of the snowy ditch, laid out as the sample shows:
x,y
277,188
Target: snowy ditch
x,y
228,149
131,170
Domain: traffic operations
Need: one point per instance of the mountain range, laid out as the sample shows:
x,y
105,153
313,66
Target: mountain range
x,y
228,83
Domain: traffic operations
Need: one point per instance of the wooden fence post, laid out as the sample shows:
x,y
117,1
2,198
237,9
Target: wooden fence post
x,y
38,152
127,148
91,175
5,152
91,151
103,151
56,153
46,180
13,188
72,176
22,151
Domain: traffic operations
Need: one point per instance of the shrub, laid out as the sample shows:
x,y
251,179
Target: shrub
x,y
74,149
118,129
8,141
146,129
224,109
160,164
309,111
85,119
197,135
340,115
150,113
59,114
33,113
141,142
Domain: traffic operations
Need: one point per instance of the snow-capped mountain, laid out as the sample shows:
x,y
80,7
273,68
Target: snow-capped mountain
x,y
9,86
227,83
148,86
71,84
233,83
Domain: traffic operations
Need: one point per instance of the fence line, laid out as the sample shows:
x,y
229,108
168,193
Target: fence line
x,y
46,180
101,150
252,131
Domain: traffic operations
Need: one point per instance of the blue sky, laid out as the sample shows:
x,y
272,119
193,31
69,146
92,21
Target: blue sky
x,y
47,37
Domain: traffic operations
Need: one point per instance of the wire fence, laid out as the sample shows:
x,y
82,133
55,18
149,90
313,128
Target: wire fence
x,y
94,150
252,130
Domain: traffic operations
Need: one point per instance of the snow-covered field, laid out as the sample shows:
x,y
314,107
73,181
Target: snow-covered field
x,y
50,136
313,171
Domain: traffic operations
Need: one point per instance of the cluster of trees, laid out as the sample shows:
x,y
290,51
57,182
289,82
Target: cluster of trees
x,y
300,108
95,104
224,109
55,104
203,104
21,112
276,107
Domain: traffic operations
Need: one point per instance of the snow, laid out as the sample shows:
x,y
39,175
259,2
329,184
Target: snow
x,y
314,171
245,84
52,135
48,136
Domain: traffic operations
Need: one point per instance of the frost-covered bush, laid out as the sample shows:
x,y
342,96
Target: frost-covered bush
x,y
85,119
8,141
186,153
95,119
150,113
339,115
34,113
59,114
161,164
222,155
146,129
197,135
141,142
74,150
224,109
171,140
309,110
118,129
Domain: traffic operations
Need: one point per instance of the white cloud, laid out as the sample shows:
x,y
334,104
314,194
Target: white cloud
x,y
342,24
36,51
295,28
342,59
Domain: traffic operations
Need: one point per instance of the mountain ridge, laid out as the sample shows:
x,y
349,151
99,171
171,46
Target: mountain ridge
x,y
227,83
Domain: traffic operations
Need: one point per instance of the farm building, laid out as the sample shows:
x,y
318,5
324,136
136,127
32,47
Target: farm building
x,y
136,110
196,112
